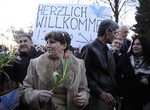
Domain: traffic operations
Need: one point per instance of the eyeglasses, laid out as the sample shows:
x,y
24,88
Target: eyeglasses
x,y
117,42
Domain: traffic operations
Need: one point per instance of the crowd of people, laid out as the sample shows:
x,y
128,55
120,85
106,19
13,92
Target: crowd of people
x,y
111,73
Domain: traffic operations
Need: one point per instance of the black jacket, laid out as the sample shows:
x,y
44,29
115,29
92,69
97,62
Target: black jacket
x,y
19,70
134,93
100,71
125,46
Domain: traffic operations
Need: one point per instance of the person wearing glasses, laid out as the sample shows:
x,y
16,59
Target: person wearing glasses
x,y
100,67
115,48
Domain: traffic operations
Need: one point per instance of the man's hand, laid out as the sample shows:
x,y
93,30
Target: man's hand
x,y
108,98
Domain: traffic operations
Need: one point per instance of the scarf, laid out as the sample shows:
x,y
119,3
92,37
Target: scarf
x,y
139,65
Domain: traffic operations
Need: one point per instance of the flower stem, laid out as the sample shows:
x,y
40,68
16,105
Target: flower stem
x,y
3,71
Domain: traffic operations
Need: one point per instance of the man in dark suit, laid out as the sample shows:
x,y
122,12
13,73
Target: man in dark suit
x,y
100,67
122,34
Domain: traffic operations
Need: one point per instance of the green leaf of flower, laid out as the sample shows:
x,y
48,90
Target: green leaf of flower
x,y
60,78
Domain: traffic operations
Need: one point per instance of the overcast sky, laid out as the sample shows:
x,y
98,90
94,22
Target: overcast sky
x,y
21,13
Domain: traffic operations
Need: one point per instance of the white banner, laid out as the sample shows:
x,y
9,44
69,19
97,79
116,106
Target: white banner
x,y
80,21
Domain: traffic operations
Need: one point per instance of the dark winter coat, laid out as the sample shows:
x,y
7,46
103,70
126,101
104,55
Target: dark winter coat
x,y
134,93
19,69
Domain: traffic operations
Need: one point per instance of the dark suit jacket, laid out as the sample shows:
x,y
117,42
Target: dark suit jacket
x,y
125,46
100,71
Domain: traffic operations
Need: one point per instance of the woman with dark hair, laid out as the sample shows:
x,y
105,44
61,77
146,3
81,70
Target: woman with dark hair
x,y
133,74
56,80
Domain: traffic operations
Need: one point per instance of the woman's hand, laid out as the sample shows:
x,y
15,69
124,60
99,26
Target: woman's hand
x,y
144,81
45,95
80,99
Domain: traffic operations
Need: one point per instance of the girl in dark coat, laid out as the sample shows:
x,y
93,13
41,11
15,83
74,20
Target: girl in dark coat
x,y
134,75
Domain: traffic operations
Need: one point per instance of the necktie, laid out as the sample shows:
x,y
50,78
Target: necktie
x,y
105,49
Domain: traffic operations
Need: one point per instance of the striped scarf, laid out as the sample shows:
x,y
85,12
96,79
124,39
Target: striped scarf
x,y
139,65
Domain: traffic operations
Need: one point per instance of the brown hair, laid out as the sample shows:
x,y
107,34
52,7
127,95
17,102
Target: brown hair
x,y
62,36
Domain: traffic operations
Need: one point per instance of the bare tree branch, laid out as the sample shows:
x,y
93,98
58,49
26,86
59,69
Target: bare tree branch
x,y
118,5
111,5
121,6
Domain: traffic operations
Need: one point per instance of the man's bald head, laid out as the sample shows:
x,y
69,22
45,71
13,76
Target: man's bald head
x,y
123,31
